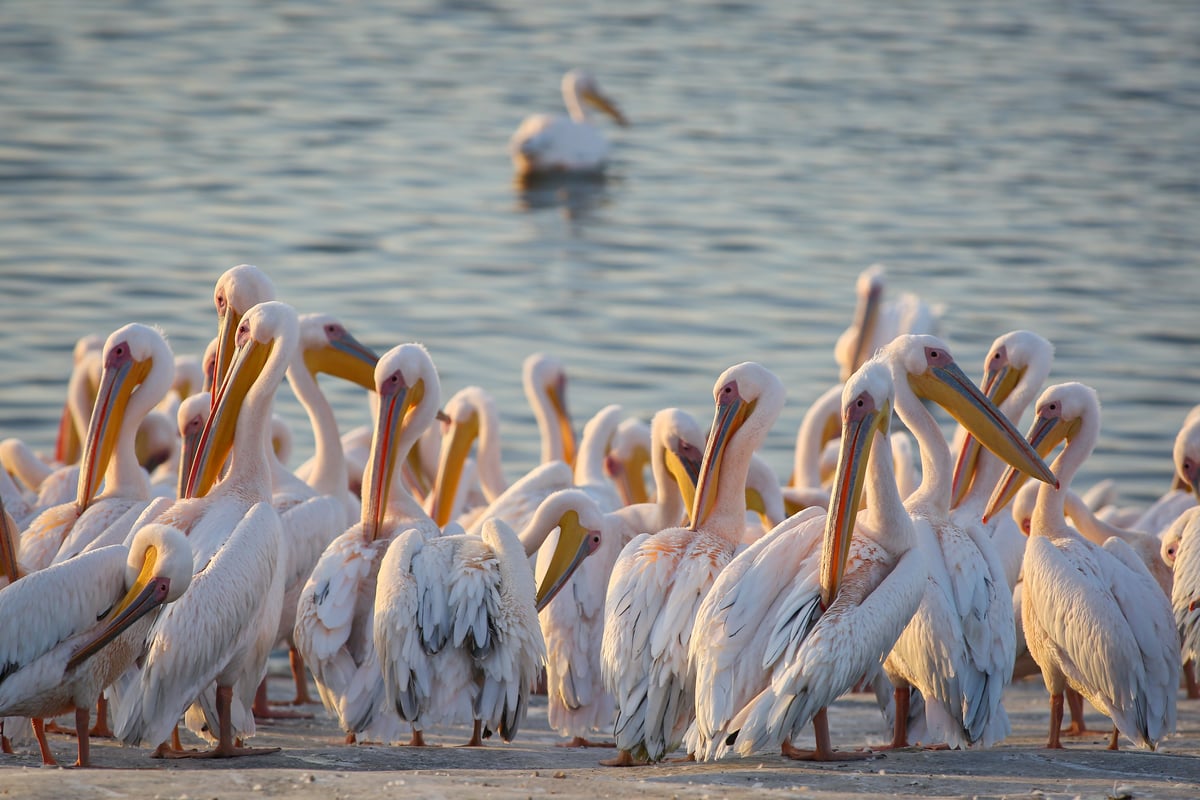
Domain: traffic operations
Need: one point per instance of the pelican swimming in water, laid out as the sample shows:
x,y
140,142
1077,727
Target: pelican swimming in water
x,y
1095,619
565,143
69,630
215,641
661,578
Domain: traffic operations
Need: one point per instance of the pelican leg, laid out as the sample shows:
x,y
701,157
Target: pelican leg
x,y
100,729
476,739
624,758
824,750
900,724
300,678
1078,726
5,744
1112,740
1056,715
82,720
225,748
263,711
39,732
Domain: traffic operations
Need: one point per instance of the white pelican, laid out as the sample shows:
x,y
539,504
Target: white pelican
x,y
496,628
471,414
221,632
558,143
958,650
1185,486
69,630
1181,550
578,702
660,579
544,379
819,426
1094,617
877,322
236,291
1016,366
335,614
627,461
138,369
798,617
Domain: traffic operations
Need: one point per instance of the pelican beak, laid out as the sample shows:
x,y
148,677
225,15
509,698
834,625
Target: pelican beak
x,y
605,104
685,469
346,358
557,392
575,543
998,384
947,386
455,448
394,408
216,441
188,446
9,568
866,318
731,415
147,593
633,477
122,374
862,421
1045,434
226,345
67,446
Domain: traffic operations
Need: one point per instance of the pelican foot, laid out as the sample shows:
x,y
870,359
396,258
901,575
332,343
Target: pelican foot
x,y
690,758
624,759
579,741
231,751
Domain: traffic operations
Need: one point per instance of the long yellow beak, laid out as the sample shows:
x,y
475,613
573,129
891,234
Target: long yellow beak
x,y
557,392
575,543
862,421
122,374
731,415
394,407
216,441
866,319
998,384
632,480
346,358
451,462
67,445
9,536
147,593
226,345
606,105
947,386
1044,435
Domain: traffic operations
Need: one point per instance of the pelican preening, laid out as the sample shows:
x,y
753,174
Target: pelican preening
x,y
565,144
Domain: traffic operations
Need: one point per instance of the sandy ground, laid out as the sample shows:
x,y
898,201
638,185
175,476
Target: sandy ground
x,y
312,763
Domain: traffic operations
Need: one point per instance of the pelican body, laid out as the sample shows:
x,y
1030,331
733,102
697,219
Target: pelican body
x,y
571,143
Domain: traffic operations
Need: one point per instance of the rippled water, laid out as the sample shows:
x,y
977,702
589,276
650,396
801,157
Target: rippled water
x,y
1027,164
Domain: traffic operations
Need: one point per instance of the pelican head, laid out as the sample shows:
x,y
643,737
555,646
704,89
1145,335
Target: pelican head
x,y
236,291
326,346
1061,411
544,376
867,400
192,415
134,356
580,87
266,338
854,347
158,571
933,375
189,376
738,394
1186,454
409,393
1011,358
581,525
677,439
464,414
627,460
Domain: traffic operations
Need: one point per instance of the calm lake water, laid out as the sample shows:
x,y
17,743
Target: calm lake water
x,y
1029,165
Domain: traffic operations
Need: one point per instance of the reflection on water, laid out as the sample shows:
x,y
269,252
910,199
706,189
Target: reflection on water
x,y
1026,164
576,195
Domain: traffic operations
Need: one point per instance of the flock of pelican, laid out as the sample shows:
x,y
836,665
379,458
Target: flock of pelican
x,y
659,582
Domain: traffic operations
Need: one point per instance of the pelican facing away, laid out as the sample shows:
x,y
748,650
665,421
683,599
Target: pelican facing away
x,y
69,630
565,143
1095,620
660,579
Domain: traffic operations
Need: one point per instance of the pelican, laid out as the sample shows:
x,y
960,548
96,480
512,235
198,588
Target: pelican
x,y
236,291
335,614
798,617
213,644
660,579
1094,617
1181,550
1185,486
544,379
627,461
959,648
877,322
497,629
557,143
69,630
573,625
472,415
138,369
